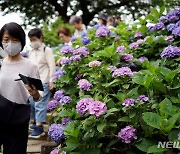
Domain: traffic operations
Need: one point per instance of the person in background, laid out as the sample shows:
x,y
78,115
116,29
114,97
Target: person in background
x,y
44,58
64,34
102,21
14,130
110,22
80,28
117,21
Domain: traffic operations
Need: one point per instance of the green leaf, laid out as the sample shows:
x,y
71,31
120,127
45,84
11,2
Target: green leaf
x,y
91,151
132,92
110,144
147,80
173,134
155,149
171,122
138,78
145,144
72,143
72,130
166,107
155,13
64,113
102,53
115,82
110,50
152,119
126,86
124,119
162,9
100,127
132,114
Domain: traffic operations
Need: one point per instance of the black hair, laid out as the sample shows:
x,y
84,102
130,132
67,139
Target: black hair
x,y
35,32
14,30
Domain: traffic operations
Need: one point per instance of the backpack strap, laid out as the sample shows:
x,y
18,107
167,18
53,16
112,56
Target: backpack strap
x,y
44,48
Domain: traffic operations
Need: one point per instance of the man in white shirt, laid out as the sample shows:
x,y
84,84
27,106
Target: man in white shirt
x,y
44,58
80,28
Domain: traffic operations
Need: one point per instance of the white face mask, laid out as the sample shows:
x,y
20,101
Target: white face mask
x,y
35,45
12,49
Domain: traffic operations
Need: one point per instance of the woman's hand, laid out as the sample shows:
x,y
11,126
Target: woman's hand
x,y
51,85
33,92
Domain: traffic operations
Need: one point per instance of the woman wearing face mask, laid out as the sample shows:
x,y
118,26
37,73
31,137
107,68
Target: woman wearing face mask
x,y
14,95
43,57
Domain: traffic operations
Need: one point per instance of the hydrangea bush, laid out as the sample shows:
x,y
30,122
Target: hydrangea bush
x,y
121,93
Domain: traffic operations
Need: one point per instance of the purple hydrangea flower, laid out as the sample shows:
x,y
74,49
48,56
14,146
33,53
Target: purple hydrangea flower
x,y
134,45
84,85
63,152
56,132
169,38
142,59
95,63
151,28
120,49
123,71
78,76
59,73
127,57
174,13
65,100
82,51
138,35
173,18
65,121
75,58
85,40
140,41
59,94
113,68
55,151
65,61
177,24
24,54
52,105
97,108
170,52
163,19
179,136
129,102
127,134
73,39
176,31
66,49
98,26
170,27
83,105
159,26
102,32
143,98
116,38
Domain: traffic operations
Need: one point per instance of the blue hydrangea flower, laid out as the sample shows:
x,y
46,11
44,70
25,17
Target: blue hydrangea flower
x,y
65,100
170,52
56,132
85,40
176,31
